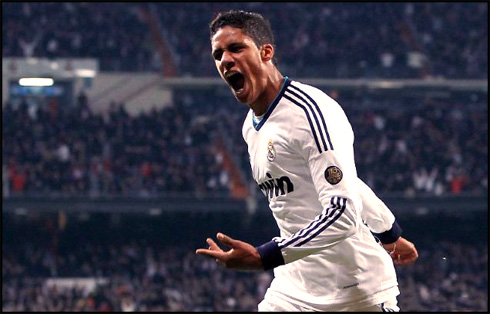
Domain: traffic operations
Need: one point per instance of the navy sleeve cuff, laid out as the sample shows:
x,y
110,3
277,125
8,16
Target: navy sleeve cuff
x,y
391,235
271,255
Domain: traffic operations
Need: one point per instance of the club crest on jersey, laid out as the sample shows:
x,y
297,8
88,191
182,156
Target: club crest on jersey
x,y
271,151
333,174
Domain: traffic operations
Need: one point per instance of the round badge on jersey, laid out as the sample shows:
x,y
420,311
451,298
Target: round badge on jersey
x,y
333,174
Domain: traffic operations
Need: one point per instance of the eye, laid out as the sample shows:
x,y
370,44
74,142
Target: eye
x,y
236,49
217,55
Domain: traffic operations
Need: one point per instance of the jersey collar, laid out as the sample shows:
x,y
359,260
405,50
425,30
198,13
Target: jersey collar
x,y
273,105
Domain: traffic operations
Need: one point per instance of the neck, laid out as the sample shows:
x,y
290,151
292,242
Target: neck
x,y
273,87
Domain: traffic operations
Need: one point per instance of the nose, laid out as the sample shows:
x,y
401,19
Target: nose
x,y
227,60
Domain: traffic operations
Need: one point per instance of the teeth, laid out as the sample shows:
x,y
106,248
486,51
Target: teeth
x,y
229,74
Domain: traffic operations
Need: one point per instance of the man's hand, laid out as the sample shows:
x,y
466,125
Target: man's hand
x,y
403,252
242,255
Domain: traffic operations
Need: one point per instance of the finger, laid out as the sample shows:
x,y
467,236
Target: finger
x,y
214,254
226,240
212,245
403,260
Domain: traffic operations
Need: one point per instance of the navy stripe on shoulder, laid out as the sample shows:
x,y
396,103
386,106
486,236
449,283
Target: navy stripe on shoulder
x,y
318,113
309,120
314,115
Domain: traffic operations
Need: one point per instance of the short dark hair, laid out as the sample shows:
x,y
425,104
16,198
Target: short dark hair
x,y
252,24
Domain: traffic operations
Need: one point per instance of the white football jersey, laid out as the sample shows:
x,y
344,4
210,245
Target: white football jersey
x,y
302,157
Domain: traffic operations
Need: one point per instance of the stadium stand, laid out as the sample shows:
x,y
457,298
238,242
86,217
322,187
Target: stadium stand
x,y
145,272
422,145
407,145
76,151
397,40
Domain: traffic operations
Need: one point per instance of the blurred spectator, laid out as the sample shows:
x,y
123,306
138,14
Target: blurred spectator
x,y
434,147
113,33
397,40
149,271
404,144
75,151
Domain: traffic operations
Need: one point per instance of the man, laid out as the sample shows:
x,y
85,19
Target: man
x,y
300,144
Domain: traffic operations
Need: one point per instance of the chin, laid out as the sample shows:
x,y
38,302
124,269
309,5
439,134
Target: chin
x,y
243,100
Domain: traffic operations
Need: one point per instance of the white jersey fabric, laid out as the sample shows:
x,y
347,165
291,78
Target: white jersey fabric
x,y
302,157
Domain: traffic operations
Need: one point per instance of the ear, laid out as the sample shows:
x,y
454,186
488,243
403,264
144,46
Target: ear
x,y
267,52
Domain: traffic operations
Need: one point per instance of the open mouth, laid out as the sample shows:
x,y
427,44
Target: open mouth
x,y
236,80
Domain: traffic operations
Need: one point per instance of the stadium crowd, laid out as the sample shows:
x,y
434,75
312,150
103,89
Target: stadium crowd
x,y
146,271
397,40
421,145
417,145
405,144
76,151
73,30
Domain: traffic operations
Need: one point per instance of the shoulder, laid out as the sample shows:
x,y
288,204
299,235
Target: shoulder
x,y
309,91
310,98
323,118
